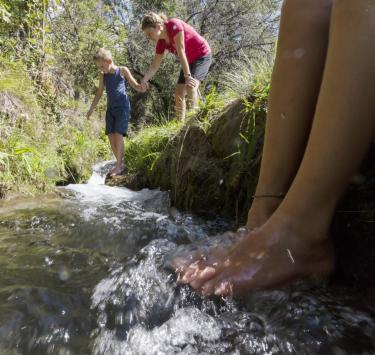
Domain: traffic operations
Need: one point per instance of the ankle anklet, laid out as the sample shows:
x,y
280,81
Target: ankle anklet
x,y
265,195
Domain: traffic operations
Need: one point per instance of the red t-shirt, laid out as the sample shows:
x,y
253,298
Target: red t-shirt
x,y
195,45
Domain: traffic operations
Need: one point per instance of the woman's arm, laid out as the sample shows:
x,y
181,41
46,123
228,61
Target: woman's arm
x,y
180,48
97,97
125,73
154,67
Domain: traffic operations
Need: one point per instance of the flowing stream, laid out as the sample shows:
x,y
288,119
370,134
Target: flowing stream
x,y
84,274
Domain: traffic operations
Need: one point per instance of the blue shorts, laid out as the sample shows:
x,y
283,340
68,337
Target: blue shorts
x,y
117,119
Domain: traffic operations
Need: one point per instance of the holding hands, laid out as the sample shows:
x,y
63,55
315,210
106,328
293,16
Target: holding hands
x,y
144,85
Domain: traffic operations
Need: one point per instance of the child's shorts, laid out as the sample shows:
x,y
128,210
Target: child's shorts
x,y
117,119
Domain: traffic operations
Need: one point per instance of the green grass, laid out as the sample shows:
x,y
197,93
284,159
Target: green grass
x,y
246,78
36,152
15,81
145,147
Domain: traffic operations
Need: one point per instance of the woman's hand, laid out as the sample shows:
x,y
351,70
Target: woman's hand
x,y
190,81
145,85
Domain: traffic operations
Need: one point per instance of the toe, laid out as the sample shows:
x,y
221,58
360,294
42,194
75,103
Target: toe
x,y
192,271
201,277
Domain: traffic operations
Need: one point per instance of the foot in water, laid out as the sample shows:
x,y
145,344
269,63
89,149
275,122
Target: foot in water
x,y
269,256
200,254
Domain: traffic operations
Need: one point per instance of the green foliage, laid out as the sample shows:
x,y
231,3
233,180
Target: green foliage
x,y
27,164
255,111
5,15
213,103
245,77
143,150
78,29
46,64
36,152
80,151
32,163
15,81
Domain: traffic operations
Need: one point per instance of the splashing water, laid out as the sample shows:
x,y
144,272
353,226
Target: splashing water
x,y
85,274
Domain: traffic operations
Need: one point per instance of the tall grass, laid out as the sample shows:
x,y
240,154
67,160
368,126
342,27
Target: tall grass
x,y
143,150
246,78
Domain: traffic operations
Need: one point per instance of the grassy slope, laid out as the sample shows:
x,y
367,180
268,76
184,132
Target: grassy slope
x,y
37,151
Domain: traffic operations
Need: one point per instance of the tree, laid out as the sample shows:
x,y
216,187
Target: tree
x,y
78,29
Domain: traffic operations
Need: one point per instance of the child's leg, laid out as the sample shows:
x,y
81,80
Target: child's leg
x,y
112,142
294,243
119,152
180,102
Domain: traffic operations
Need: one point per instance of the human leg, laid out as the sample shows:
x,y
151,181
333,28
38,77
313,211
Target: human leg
x,y
192,97
180,102
294,241
295,84
119,153
112,143
199,70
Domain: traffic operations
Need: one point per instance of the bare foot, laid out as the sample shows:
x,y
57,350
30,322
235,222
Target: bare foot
x,y
187,260
117,170
111,171
204,252
272,255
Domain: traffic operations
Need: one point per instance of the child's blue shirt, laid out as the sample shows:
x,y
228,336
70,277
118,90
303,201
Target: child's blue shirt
x,y
115,86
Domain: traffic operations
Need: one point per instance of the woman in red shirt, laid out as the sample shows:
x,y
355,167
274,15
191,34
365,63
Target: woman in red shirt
x,y
192,50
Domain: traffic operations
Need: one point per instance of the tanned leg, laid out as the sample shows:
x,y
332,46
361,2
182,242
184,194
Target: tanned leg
x,y
180,102
295,84
119,153
192,97
296,79
112,142
294,241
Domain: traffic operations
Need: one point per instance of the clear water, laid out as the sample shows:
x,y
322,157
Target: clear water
x,y
84,274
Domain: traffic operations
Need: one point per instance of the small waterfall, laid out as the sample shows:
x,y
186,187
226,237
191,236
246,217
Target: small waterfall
x,y
100,170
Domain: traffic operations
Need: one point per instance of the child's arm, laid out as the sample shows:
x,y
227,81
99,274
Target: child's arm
x,y
97,97
125,73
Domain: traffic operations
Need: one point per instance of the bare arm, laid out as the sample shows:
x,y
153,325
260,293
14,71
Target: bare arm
x,y
125,73
180,48
154,67
97,97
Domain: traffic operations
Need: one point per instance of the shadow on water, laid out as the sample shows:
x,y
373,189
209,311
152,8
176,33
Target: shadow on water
x,y
83,274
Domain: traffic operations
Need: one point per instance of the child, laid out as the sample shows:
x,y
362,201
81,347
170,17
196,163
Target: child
x,y
118,105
